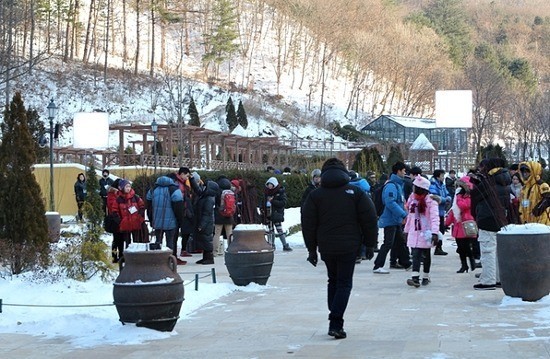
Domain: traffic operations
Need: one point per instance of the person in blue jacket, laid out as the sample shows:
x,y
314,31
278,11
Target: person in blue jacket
x,y
165,209
392,220
359,181
437,187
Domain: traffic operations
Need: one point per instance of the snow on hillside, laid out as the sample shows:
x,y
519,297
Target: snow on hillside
x,y
292,114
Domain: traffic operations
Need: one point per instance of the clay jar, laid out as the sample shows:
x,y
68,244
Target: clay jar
x,y
249,257
148,291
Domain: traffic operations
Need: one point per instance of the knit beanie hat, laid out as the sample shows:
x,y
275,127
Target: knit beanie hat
x,y
273,181
122,184
422,182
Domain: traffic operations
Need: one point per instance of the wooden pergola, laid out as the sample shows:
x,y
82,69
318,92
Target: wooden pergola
x,y
185,145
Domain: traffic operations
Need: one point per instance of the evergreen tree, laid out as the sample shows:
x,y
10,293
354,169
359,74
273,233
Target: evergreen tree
x,y
93,207
24,240
369,159
394,156
231,116
241,115
194,114
37,130
220,43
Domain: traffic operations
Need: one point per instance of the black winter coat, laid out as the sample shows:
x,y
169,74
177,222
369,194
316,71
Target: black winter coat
x,y
338,217
278,203
310,187
204,217
491,200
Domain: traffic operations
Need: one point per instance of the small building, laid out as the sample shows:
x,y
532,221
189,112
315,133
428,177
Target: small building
x,y
405,130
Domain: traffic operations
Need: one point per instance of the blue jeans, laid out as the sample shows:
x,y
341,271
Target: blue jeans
x,y
340,269
170,237
393,238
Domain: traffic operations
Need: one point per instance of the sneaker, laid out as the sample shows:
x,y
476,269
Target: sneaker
x,y
357,260
413,282
425,281
180,262
485,286
440,252
380,270
185,254
498,285
396,266
287,248
478,265
337,333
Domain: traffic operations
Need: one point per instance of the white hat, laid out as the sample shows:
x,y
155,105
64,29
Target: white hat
x,y
422,182
273,181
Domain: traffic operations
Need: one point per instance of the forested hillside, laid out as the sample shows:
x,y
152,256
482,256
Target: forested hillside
x,y
315,61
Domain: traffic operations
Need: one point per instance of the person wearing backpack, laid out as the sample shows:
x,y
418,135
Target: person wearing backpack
x,y
223,214
275,200
391,220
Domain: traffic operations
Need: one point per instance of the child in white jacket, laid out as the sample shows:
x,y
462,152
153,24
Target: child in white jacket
x,y
421,228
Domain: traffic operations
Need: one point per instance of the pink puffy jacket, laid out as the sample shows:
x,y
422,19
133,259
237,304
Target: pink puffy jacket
x,y
430,220
464,203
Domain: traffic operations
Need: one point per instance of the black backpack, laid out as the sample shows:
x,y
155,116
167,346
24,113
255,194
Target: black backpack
x,y
377,198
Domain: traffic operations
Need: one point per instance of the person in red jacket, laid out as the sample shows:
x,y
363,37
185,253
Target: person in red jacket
x,y
117,246
460,212
131,210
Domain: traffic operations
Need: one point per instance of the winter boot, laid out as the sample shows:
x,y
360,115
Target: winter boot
x,y
286,247
425,279
472,263
336,327
207,257
414,281
438,250
464,267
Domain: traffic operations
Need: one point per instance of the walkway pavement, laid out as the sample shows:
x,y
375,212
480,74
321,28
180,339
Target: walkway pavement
x,y
385,319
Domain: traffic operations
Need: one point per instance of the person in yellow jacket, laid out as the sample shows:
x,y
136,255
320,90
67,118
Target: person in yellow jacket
x,y
531,193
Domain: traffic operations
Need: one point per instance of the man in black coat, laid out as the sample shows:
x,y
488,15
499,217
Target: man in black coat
x,y
336,219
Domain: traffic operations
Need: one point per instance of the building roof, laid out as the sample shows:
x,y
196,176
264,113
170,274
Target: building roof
x,y
422,144
413,122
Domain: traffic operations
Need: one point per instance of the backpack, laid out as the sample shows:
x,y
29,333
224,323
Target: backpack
x,y
228,204
377,198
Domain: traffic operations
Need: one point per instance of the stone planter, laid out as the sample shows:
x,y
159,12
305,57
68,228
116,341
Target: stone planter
x,y
249,258
524,261
54,226
148,290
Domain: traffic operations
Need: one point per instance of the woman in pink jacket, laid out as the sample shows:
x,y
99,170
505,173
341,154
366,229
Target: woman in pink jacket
x,y
421,227
460,212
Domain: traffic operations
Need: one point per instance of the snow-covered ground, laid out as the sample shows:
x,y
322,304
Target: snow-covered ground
x,y
41,312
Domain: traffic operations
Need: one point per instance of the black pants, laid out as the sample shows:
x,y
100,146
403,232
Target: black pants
x,y
392,234
340,269
421,255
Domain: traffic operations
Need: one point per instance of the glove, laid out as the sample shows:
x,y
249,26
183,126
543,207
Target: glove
x,y
312,258
435,239
369,253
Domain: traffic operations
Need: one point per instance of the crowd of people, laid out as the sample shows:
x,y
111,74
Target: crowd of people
x,y
182,205
341,215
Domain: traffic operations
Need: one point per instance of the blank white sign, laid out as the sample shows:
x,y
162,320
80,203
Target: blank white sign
x,y
453,109
91,130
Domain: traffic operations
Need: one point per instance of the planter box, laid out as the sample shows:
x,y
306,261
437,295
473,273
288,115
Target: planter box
x,y
524,260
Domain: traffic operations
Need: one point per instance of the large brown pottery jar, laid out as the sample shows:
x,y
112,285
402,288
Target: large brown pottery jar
x,y
524,261
148,291
249,258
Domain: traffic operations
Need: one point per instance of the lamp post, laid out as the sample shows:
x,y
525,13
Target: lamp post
x,y
154,128
52,111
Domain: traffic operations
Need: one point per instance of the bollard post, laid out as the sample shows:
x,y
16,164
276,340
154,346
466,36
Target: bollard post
x,y
214,275
0,305
196,282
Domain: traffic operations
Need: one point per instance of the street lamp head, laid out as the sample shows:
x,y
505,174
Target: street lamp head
x,y
154,126
52,109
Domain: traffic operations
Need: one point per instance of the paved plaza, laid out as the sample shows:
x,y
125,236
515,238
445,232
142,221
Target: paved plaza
x,y
385,319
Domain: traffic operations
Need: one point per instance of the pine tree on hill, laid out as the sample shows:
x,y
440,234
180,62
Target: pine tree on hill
x,y
194,114
231,115
24,240
241,115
